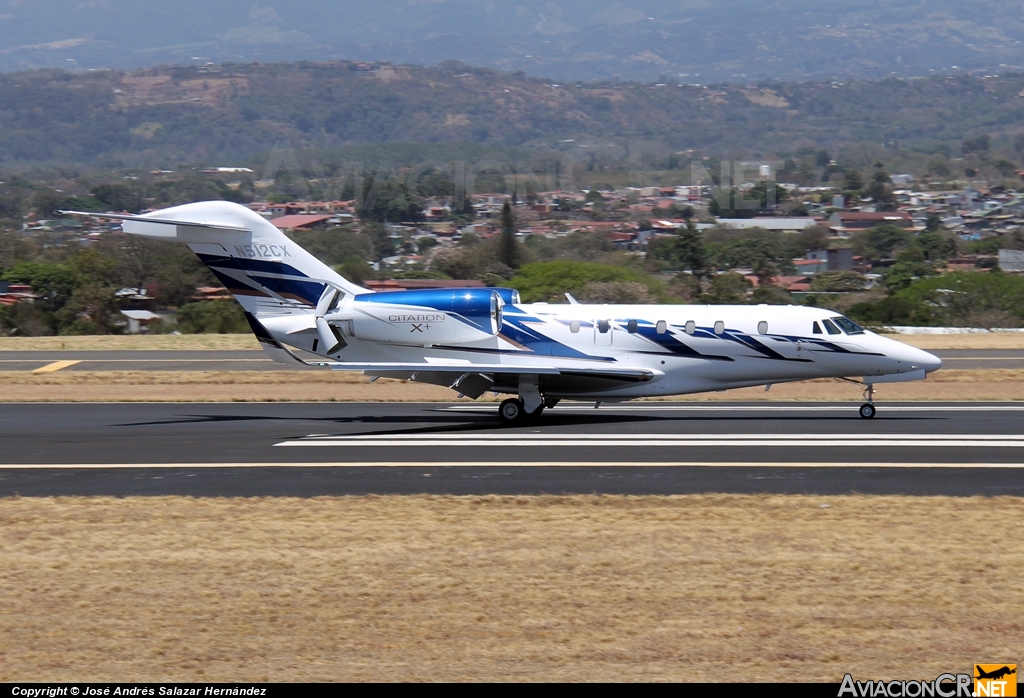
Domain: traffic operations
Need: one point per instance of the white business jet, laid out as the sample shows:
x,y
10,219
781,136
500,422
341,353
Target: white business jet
x,y
477,340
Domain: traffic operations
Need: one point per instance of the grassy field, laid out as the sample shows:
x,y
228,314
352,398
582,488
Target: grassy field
x,y
992,340
694,588
324,385
180,342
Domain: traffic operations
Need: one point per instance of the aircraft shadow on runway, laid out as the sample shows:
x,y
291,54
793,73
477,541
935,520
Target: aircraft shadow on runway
x,y
445,423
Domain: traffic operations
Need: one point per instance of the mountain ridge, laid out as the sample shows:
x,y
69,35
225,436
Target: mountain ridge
x,y
688,40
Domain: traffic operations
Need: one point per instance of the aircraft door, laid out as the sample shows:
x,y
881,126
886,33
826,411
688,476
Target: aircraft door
x,y
603,331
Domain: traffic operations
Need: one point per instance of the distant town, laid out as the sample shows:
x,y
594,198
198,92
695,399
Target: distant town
x,y
760,241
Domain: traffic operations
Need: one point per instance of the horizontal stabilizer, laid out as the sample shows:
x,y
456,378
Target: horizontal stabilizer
x,y
165,221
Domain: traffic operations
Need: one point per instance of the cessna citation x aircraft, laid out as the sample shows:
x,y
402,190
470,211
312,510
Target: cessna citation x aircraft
x,y
476,340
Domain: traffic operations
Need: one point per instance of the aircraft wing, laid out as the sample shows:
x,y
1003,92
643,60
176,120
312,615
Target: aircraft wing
x,y
281,354
625,374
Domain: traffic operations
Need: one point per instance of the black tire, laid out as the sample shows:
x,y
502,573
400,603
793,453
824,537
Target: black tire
x,y
867,410
511,410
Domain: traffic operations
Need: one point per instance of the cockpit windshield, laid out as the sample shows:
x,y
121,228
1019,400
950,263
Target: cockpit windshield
x,y
848,325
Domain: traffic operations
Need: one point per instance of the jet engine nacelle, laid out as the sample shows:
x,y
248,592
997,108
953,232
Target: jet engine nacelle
x,y
437,316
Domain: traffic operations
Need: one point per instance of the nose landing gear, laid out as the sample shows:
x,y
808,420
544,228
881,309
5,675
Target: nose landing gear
x,y
867,410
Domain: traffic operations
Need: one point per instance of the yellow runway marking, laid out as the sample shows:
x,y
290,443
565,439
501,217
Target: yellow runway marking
x,y
55,366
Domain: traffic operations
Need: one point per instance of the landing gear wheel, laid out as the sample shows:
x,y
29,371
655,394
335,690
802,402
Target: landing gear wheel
x,y
867,410
511,410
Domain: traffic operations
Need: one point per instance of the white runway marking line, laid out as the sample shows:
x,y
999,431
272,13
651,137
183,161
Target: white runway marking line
x,y
649,440
503,464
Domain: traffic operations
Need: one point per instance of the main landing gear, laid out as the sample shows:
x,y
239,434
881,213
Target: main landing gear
x,y
512,410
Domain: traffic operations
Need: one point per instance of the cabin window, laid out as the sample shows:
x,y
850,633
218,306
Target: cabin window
x,y
603,326
762,327
574,326
848,325
815,328
661,327
631,326
830,328
691,327
719,327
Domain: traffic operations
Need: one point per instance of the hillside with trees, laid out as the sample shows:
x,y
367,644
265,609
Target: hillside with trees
x,y
215,114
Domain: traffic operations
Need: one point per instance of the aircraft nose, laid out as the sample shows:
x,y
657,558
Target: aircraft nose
x,y
919,358
931,363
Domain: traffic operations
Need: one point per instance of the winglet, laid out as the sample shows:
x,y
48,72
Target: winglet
x,y
572,301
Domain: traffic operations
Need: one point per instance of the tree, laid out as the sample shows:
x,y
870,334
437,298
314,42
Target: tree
x,y
937,246
880,192
767,194
52,283
903,274
510,254
765,271
978,144
623,292
92,309
960,299
356,270
549,281
729,287
838,282
212,317
462,206
117,197
933,222
387,200
882,241
685,250
735,205
813,237
852,181
771,295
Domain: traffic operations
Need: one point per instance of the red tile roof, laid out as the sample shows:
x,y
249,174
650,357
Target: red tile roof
x,y
298,221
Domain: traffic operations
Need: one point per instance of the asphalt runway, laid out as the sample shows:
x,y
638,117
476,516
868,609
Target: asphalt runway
x,y
256,360
310,449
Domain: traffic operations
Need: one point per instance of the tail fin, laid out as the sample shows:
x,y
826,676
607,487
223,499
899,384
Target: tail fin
x,y
268,273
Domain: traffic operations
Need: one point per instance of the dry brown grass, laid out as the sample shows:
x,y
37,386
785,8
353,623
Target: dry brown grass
x,y
325,385
180,342
988,340
186,342
589,588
